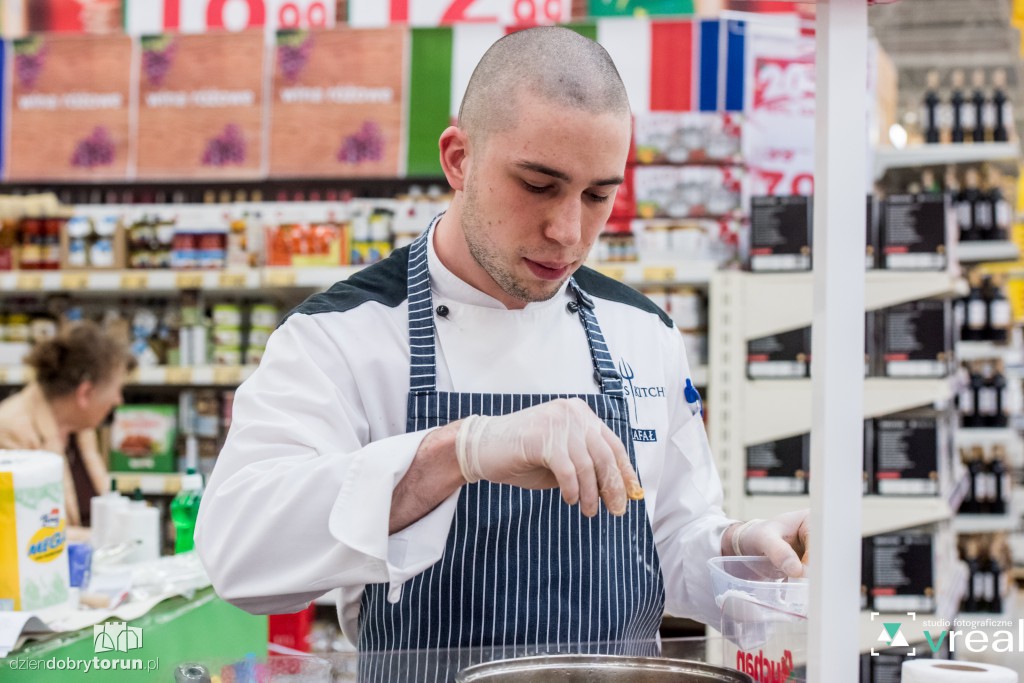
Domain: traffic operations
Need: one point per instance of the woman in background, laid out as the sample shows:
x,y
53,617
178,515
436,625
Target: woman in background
x,y
78,379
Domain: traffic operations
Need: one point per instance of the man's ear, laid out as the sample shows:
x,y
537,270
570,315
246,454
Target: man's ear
x,y
454,147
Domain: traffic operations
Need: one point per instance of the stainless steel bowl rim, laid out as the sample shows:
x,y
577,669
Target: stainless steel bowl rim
x,y
539,663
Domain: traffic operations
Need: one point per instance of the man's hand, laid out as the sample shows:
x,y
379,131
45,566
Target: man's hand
x,y
782,539
559,443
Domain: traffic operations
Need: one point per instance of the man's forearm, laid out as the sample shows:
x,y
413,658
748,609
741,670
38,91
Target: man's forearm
x,y
433,476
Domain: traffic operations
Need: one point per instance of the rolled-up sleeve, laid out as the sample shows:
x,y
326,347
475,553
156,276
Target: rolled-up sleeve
x,y
299,501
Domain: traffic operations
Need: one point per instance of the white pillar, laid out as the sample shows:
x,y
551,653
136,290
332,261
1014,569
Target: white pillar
x,y
838,341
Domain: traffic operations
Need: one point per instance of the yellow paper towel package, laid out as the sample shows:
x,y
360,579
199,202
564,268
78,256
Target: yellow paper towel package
x,y
33,541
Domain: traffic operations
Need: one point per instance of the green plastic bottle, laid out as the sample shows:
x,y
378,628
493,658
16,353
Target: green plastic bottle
x,y
185,510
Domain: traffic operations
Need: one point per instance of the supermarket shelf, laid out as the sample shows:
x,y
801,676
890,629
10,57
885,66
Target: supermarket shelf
x,y
940,155
950,593
986,436
699,375
986,524
1010,354
882,396
683,273
199,376
119,281
985,252
880,514
149,484
762,292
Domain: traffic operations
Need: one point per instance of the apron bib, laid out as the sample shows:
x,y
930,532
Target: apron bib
x,y
520,567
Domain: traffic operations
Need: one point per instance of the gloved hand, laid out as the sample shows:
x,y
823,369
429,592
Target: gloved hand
x,y
559,443
782,539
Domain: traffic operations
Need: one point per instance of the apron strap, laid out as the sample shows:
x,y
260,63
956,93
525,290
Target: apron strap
x,y
423,353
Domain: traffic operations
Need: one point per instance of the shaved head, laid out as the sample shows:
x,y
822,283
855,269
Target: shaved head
x,y
553,63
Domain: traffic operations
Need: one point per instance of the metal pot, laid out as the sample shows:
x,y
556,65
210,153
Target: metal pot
x,y
598,669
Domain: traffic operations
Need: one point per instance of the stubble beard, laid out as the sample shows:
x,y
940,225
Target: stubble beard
x,y
487,255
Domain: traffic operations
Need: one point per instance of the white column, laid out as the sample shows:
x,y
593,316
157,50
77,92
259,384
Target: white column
x,y
838,341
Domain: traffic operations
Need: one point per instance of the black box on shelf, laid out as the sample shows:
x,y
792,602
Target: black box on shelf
x,y
909,449
871,260
867,572
780,234
869,455
914,232
903,572
783,355
916,339
779,467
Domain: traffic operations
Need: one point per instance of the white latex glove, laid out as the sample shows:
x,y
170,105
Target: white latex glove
x,y
561,443
782,539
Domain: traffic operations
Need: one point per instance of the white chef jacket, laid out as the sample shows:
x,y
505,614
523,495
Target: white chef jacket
x,y
300,498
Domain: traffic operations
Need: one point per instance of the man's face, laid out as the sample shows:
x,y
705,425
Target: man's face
x,y
538,194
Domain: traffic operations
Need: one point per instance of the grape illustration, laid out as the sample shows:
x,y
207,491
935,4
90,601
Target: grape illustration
x,y
95,150
156,63
292,58
28,66
226,148
366,144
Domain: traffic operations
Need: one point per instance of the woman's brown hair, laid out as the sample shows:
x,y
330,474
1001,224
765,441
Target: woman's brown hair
x,y
82,352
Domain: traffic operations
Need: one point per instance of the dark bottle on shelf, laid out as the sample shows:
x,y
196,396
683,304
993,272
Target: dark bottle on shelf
x,y
976,482
977,106
966,199
977,386
974,588
987,399
993,580
997,382
959,105
1002,108
977,311
1001,481
931,109
1000,315
1002,214
982,220
965,395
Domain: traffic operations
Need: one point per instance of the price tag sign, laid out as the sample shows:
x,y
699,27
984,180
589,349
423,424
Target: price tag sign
x,y
29,282
281,278
73,281
134,281
370,13
659,274
227,375
178,375
232,280
189,280
614,272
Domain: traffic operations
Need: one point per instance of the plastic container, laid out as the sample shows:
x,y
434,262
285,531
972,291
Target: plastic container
x,y
757,580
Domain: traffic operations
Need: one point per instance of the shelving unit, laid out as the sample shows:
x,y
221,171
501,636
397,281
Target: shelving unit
x,y
987,252
881,514
744,306
149,484
941,155
198,376
667,272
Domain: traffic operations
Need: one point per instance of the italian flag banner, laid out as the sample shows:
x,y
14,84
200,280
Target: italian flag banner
x,y
682,65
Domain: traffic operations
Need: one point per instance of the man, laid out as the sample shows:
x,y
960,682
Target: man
x,y
446,436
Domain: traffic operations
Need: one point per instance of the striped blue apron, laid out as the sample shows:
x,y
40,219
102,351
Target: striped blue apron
x,y
520,567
